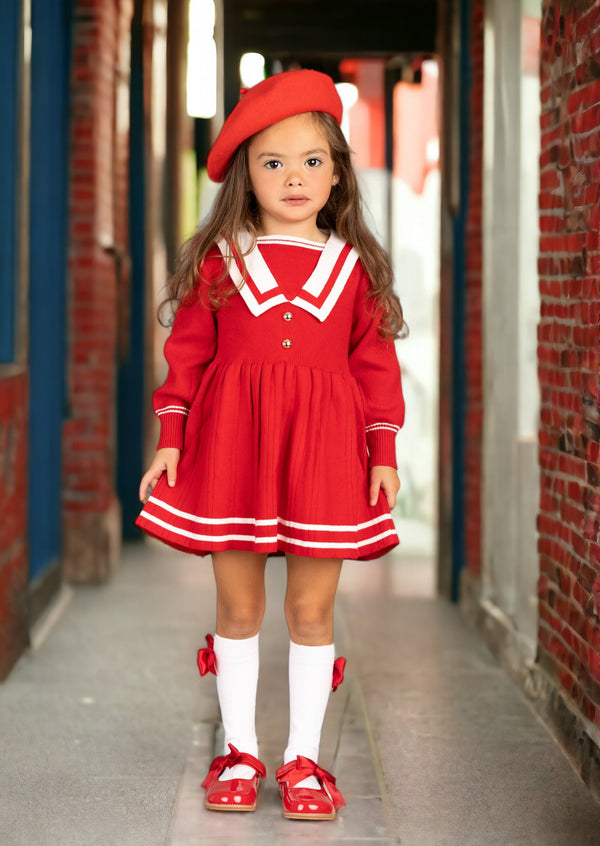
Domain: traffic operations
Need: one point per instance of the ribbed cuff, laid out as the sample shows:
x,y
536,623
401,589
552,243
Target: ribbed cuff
x,y
172,428
381,444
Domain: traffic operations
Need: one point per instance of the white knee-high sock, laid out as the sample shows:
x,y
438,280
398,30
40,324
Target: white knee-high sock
x,y
310,677
237,679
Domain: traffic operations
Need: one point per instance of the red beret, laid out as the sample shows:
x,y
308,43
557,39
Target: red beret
x,y
275,98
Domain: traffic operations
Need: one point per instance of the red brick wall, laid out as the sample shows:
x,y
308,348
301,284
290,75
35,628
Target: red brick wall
x,y
473,285
569,351
98,247
14,563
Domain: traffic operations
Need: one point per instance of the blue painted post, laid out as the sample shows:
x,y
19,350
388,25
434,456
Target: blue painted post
x,y
50,62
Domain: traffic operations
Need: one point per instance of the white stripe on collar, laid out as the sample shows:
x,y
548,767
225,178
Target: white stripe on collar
x,y
291,241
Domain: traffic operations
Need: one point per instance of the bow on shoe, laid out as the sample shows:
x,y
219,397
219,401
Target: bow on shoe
x,y
338,672
207,660
302,768
234,757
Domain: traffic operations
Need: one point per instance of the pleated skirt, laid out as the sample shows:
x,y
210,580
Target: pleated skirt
x,y
274,461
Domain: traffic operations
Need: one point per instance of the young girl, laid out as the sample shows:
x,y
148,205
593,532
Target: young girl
x,y
279,415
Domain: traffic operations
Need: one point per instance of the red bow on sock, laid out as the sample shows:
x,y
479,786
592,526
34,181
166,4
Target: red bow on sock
x,y
207,661
338,672
302,768
234,757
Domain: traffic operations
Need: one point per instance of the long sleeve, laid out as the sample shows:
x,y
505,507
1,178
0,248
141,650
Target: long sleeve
x,y
374,364
189,349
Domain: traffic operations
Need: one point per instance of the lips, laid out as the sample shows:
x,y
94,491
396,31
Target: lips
x,y
295,200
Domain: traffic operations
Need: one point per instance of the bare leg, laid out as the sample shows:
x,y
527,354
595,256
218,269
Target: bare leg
x,y
240,578
309,601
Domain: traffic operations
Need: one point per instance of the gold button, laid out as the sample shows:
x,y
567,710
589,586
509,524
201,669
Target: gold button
x,y
286,344
288,315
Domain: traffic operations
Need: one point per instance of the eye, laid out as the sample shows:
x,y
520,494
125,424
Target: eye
x,y
273,164
314,162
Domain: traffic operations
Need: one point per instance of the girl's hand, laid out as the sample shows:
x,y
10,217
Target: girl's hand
x,y
387,479
165,459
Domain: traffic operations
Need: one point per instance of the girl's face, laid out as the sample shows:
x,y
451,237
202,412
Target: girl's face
x,y
291,170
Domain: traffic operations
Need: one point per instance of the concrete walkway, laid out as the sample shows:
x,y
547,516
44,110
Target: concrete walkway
x,y
106,729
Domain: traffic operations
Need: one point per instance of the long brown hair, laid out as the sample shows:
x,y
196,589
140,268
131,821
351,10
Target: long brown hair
x,y
235,209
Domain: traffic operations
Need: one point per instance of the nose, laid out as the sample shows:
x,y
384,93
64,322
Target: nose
x,y
294,178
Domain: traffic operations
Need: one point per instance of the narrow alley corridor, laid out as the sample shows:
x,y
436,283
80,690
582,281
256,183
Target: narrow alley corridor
x,y
106,729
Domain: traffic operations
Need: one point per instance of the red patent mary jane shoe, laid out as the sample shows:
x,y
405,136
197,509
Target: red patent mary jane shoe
x,y
305,803
235,794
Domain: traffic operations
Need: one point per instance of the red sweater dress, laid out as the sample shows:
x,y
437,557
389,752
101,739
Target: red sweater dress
x,y
280,401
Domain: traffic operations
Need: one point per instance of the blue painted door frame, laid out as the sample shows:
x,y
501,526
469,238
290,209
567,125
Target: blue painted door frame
x,y
459,305
130,398
50,64
9,108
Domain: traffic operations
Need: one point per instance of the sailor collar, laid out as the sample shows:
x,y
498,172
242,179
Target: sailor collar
x,y
319,294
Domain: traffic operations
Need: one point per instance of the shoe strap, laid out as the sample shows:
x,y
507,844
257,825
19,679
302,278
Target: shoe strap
x,y
302,768
234,757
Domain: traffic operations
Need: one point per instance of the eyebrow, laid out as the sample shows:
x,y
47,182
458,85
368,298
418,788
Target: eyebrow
x,y
319,150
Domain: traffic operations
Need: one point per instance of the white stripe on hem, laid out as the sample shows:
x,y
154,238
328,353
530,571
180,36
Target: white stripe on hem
x,y
349,545
296,542
216,521
322,527
307,527
195,536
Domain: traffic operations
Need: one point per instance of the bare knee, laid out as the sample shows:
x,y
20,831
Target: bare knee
x,y
240,593
239,619
310,597
309,622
